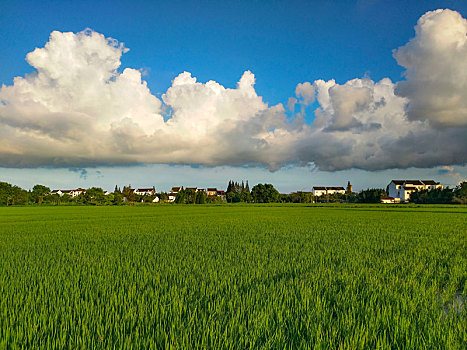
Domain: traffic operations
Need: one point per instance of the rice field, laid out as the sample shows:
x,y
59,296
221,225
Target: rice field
x,y
233,277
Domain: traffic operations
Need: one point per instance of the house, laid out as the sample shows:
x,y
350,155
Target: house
x,y
77,192
212,191
221,194
173,193
327,190
401,190
72,193
145,191
387,200
195,189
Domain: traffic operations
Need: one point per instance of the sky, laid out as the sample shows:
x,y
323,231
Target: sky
x,y
293,93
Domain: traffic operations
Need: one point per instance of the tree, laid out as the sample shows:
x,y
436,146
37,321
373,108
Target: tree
x,y
95,195
229,187
190,196
180,199
264,193
371,195
237,192
117,198
460,193
245,196
11,195
200,197
434,196
128,193
39,192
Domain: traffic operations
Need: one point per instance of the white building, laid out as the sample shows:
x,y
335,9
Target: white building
x,y
401,190
72,193
145,191
77,192
173,193
327,190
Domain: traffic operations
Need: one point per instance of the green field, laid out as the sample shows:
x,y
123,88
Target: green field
x,y
233,277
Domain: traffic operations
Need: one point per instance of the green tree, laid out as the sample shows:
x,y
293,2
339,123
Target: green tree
x,y
95,195
180,199
117,198
39,192
371,195
128,193
237,192
200,197
460,193
12,195
434,196
190,196
264,193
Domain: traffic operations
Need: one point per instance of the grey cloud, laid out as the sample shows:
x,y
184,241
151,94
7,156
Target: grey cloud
x,y
83,173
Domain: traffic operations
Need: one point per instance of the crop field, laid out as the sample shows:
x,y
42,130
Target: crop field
x,y
233,277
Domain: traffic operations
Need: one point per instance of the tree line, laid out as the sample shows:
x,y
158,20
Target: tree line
x,y
236,193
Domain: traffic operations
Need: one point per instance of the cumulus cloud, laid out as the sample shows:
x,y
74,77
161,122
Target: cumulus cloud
x,y
79,109
369,129
305,92
436,75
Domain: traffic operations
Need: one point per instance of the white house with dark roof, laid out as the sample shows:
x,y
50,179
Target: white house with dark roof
x,y
173,193
327,190
401,190
145,191
77,192
72,193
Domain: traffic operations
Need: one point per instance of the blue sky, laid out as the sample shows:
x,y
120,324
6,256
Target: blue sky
x,y
283,43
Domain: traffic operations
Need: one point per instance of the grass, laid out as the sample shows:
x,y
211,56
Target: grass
x,y
146,277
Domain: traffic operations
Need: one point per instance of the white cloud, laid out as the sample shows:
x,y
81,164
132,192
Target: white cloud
x,y
77,109
436,63
291,104
305,92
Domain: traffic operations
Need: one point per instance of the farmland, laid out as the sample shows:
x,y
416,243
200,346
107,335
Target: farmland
x,y
233,277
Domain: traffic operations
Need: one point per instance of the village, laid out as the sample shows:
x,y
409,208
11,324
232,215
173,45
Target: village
x,y
397,191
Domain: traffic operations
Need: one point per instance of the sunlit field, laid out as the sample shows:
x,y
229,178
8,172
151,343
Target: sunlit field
x,y
238,277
